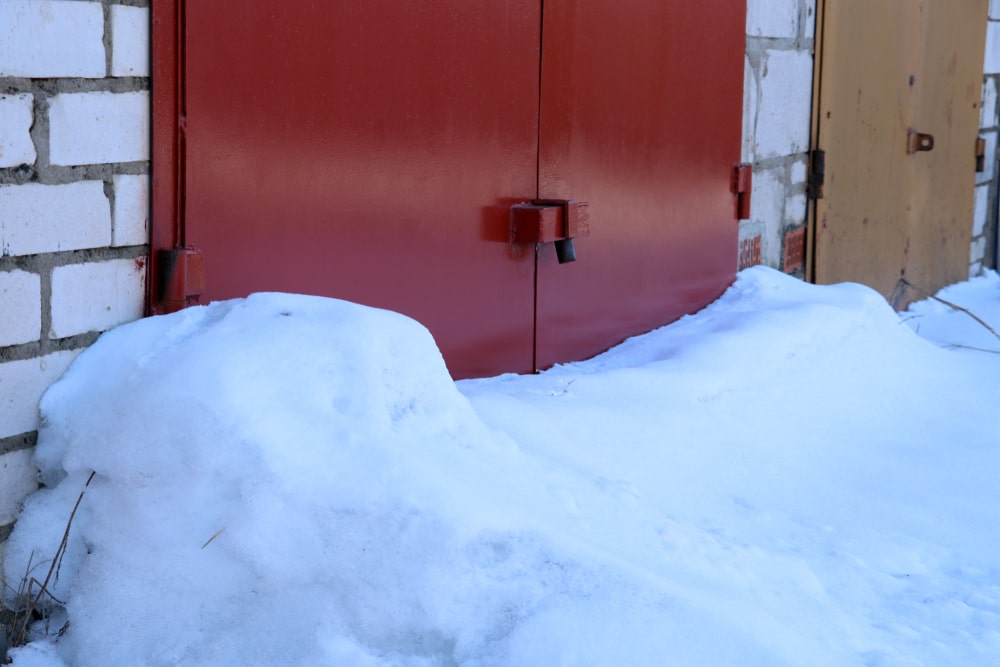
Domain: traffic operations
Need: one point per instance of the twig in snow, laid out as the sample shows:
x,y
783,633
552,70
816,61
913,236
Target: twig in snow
x,y
955,306
217,533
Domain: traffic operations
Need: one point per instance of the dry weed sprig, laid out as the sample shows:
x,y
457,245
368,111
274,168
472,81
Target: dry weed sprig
x,y
26,589
955,306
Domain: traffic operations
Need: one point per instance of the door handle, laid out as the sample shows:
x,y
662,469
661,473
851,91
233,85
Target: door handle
x,y
917,142
557,221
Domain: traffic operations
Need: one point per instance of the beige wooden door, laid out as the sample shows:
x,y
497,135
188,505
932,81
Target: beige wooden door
x,y
896,211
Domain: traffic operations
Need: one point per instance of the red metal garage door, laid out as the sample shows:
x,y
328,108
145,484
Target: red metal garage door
x,y
641,117
372,151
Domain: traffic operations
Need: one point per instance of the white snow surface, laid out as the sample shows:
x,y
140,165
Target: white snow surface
x,y
796,475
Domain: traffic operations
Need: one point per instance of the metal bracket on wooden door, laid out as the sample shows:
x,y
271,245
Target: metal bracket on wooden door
x,y
557,221
980,155
917,142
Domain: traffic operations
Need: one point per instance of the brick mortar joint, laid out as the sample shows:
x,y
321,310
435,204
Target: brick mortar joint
x,y
62,175
36,349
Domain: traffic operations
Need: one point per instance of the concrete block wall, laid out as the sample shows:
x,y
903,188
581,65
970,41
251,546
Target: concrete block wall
x,y
74,200
777,103
985,251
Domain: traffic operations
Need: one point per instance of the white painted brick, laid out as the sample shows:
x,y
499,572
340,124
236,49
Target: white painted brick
x,y
129,41
810,26
130,219
799,171
749,111
17,480
975,270
773,18
785,104
20,307
986,176
45,38
36,218
988,111
22,384
767,209
991,63
97,296
16,117
978,250
795,210
97,128
980,209
995,9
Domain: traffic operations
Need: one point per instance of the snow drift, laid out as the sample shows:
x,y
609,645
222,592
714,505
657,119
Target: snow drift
x,y
789,477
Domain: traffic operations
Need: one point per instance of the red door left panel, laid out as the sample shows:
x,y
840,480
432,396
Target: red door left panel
x,y
369,151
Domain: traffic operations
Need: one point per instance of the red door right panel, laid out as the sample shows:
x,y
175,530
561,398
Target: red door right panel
x,y
641,118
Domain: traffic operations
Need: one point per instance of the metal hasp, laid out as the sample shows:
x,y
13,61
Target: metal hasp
x,y
980,155
550,221
742,187
917,142
182,278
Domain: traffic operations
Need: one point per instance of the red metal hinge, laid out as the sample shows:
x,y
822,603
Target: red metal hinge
x,y
742,187
182,277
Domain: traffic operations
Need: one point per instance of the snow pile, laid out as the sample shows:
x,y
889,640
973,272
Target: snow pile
x,y
790,477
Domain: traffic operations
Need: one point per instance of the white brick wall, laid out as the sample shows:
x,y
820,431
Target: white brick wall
x,y
773,18
749,112
785,104
17,480
98,128
130,218
51,294
16,146
129,41
44,38
767,209
22,384
992,59
988,111
96,296
20,307
36,218
980,209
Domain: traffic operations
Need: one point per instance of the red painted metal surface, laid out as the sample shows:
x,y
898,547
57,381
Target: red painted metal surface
x,y
373,151
166,195
370,151
640,117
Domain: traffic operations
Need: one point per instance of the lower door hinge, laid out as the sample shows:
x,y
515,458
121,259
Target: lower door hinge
x,y
980,155
182,278
817,174
742,187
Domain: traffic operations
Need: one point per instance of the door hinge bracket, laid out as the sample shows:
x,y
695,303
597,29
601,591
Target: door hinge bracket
x,y
182,277
817,174
980,155
742,187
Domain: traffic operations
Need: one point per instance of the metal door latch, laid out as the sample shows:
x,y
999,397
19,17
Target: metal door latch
x,y
917,142
556,221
